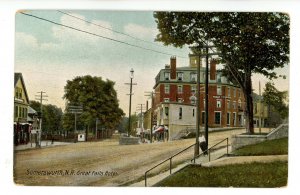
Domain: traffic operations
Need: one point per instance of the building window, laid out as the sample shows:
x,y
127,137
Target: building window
x,y
219,77
219,103
218,118
228,118
193,89
167,76
240,105
180,76
193,77
179,89
25,112
203,103
234,92
228,91
228,104
20,112
234,105
239,91
193,101
166,100
18,93
16,111
167,89
219,90
180,100
167,111
180,113
234,119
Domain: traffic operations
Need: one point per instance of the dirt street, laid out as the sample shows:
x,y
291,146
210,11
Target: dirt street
x,y
103,163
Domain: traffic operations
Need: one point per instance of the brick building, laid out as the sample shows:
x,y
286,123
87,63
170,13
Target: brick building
x,y
174,102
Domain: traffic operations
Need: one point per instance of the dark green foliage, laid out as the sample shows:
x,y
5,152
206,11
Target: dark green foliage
x,y
248,42
51,115
98,99
275,98
265,175
270,147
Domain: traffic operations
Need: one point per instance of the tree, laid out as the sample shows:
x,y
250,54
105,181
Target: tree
x,y
277,99
248,42
98,99
51,115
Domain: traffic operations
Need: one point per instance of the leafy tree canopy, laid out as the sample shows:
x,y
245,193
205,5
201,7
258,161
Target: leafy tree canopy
x,y
248,42
98,99
277,99
51,115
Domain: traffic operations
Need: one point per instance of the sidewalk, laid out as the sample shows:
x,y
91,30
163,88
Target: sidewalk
x,y
202,159
215,160
46,143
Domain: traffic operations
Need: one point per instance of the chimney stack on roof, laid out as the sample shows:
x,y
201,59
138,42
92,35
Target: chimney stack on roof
x,y
173,67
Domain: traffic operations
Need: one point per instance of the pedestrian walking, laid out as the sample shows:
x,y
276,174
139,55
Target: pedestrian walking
x,y
202,144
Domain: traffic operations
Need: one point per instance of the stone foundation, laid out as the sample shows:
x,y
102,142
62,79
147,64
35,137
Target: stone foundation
x,y
238,141
124,140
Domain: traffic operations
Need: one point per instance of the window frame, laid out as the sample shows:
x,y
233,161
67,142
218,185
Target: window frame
x,y
220,118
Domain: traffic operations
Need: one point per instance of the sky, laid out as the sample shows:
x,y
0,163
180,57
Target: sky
x,y
48,54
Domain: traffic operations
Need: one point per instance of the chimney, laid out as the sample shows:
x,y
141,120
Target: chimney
x,y
147,106
212,72
173,67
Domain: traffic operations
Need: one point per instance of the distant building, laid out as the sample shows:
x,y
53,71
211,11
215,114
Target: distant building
x,y
21,104
175,91
260,111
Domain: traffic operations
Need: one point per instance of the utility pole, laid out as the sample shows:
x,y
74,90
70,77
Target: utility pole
x,y
206,55
196,149
260,108
130,94
151,95
40,98
206,97
140,108
141,113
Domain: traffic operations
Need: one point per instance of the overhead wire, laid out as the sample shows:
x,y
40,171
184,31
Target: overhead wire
x,y
110,29
97,35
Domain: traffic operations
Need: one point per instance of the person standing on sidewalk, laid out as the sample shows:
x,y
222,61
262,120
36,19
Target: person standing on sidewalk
x,y
202,144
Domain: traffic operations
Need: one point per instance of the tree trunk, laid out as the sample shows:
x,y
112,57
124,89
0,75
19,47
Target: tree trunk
x,y
249,103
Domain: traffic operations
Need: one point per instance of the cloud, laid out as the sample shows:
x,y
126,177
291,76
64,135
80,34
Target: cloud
x,y
141,32
64,35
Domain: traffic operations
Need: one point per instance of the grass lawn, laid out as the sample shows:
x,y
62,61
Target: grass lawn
x,y
268,175
270,147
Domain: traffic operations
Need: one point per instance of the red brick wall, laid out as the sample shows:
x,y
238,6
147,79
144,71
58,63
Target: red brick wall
x,y
212,70
173,67
212,101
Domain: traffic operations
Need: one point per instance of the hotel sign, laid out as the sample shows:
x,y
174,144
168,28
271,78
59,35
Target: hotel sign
x,y
220,97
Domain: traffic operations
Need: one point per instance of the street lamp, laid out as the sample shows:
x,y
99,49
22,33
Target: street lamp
x,y
129,122
131,73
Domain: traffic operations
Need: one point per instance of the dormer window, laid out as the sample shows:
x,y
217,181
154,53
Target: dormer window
x,y
193,77
167,76
180,76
